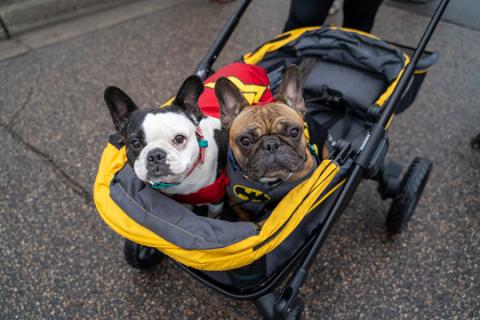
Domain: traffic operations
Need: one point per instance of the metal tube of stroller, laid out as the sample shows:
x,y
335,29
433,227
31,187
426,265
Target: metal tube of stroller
x,y
203,69
378,131
299,276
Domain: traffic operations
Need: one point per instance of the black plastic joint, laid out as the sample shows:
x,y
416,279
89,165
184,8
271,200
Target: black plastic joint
x,y
265,305
289,295
367,151
389,180
378,158
204,72
374,112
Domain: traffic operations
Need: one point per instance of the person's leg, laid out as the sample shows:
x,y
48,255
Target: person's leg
x,y
306,13
360,14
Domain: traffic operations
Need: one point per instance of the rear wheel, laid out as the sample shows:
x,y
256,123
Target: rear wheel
x,y
403,205
139,256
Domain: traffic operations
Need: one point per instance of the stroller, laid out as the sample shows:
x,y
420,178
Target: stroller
x,y
354,85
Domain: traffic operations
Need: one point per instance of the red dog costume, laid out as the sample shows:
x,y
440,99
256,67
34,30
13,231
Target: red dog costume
x,y
253,82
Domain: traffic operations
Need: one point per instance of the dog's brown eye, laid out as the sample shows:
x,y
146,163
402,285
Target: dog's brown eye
x,y
179,139
135,144
245,141
294,132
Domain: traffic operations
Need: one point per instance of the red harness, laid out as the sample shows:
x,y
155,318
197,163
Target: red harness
x,y
201,154
254,84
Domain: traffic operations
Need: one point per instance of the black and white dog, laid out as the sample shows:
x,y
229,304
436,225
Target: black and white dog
x,y
176,149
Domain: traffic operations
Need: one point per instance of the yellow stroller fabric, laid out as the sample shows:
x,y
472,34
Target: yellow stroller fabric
x,y
204,243
286,216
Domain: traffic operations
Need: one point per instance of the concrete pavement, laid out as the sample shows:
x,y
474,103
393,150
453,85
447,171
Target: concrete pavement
x,y
97,18
60,261
24,15
460,12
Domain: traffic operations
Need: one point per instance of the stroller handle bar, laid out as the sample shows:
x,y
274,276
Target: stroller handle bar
x,y
205,67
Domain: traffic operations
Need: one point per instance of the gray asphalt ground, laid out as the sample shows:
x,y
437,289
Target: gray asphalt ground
x,y
60,261
460,12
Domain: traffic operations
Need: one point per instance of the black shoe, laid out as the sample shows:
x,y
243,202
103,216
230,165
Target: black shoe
x,y
475,142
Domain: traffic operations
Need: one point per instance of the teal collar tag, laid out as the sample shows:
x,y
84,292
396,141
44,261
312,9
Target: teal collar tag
x,y
202,143
162,185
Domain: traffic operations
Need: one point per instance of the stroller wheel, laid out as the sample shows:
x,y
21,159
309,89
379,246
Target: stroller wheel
x,y
141,257
402,207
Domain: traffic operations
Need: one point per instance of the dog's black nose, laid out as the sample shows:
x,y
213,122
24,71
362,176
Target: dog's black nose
x,y
271,144
156,156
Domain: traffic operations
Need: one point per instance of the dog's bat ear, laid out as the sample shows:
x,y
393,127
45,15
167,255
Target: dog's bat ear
x,y
120,106
291,90
231,101
187,96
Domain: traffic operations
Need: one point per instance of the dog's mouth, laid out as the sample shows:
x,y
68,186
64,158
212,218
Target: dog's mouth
x,y
274,168
276,179
170,178
276,172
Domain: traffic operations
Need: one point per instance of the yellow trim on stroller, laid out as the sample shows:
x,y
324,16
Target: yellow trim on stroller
x,y
287,37
281,223
283,220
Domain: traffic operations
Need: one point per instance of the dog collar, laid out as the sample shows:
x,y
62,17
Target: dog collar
x,y
162,185
202,144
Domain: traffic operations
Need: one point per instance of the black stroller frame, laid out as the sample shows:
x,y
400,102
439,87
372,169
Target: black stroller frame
x,y
368,164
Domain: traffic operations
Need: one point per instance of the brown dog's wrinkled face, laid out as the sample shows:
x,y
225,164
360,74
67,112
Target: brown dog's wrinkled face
x,y
267,141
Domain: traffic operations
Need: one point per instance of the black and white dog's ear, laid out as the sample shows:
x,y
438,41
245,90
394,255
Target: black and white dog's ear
x,y
120,106
291,90
230,99
187,96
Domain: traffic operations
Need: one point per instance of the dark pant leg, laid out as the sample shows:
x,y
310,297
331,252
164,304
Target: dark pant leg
x,y
475,142
306,13
360,14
